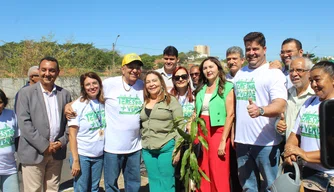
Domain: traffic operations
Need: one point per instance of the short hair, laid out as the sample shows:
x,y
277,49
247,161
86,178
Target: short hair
x,y
174,90
171,51
32,69
194,66
163,96
84,95
327,66
235,49
257,37
48,58
308,63
297,42
3,97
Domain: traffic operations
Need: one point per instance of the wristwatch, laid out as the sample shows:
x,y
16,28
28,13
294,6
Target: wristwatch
x,y
261,111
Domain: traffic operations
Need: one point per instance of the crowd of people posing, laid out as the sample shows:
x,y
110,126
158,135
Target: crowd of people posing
x,y
249,112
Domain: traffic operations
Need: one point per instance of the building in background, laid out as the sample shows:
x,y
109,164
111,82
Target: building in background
x,y
203,50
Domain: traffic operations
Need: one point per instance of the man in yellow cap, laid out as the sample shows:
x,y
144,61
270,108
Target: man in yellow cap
x,y
123,102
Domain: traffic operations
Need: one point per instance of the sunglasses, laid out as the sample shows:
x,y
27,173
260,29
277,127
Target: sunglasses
x,y
178,77
194,74
34,76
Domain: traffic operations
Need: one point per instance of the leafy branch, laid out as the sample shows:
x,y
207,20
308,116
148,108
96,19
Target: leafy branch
x,y
190,169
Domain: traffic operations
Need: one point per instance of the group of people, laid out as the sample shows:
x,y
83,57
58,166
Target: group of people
x,y
250,113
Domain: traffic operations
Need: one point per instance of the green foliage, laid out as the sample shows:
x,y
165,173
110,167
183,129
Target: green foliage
x,y
189,164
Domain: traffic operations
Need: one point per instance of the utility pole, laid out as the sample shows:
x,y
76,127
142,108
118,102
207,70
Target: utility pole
x,y
114,51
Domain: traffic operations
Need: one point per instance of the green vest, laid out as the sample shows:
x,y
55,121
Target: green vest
x,y
217,109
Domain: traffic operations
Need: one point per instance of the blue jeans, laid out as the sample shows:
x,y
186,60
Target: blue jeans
x,y
9,183
130,166
255,160
90,173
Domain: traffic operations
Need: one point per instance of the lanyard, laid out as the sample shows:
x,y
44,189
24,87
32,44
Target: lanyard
x,y
97,113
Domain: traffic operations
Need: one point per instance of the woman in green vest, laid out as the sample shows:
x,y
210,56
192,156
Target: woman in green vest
x,y
214,102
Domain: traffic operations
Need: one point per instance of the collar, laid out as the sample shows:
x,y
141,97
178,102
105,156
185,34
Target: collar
x,y
54,90
308,91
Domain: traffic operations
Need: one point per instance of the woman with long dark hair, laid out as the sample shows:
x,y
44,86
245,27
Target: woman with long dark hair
x,y
215,104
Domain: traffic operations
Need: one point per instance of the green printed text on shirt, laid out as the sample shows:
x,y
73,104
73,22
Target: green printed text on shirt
x,y
246,89
129,105
309,125
93,120
6,136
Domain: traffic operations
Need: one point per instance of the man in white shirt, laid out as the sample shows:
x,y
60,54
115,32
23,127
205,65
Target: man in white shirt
x,y
234,58
290,48
194,74
297,94
260,98
170,56
123,103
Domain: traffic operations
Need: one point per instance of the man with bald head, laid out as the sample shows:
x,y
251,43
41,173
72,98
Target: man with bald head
x,y
299,73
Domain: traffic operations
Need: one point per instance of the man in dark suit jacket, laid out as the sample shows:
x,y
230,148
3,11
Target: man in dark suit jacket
x,y
42,145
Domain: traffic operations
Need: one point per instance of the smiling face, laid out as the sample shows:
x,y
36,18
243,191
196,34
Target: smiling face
x,y
131,72
288,51
181,79
210,71
92,87
234,62
255,54
48,72
153,85
322,84
299,75
170,63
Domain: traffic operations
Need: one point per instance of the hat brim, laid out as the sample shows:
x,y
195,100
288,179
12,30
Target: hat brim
x,y
139,61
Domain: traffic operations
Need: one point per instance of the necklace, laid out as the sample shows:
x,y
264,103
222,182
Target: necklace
x,y
127,90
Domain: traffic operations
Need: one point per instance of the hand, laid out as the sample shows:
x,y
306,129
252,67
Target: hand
x,y
49,150
176,157
69,113
294,151
275,65
56,145
75,168
281,125
252,109
221,148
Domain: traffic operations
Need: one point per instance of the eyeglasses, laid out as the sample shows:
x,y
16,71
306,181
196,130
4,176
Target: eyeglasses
x,y
298,70
178,77
194,74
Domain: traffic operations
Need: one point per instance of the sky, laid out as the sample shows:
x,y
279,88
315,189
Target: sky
x,y
148,26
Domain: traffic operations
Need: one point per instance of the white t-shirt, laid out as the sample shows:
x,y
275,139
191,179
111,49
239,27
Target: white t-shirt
x,y
307,126
8,133
187,107
122,115
91,121
263,85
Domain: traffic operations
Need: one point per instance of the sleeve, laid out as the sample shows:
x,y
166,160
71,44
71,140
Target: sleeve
x,y
15,126
64,139
75,121
27,129
277,87
176,109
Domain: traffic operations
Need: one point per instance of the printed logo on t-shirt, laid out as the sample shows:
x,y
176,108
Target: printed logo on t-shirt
x,y
309,125
93,120
6,136
129,105
188,109
246,89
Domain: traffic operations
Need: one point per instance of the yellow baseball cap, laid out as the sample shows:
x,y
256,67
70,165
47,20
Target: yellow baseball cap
x,y
128,58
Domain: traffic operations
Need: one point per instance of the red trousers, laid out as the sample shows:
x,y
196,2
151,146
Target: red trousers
x,y
216,167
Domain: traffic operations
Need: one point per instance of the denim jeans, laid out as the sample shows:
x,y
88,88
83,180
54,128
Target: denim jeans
x,y
90,173
255,160
9,183
130,166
